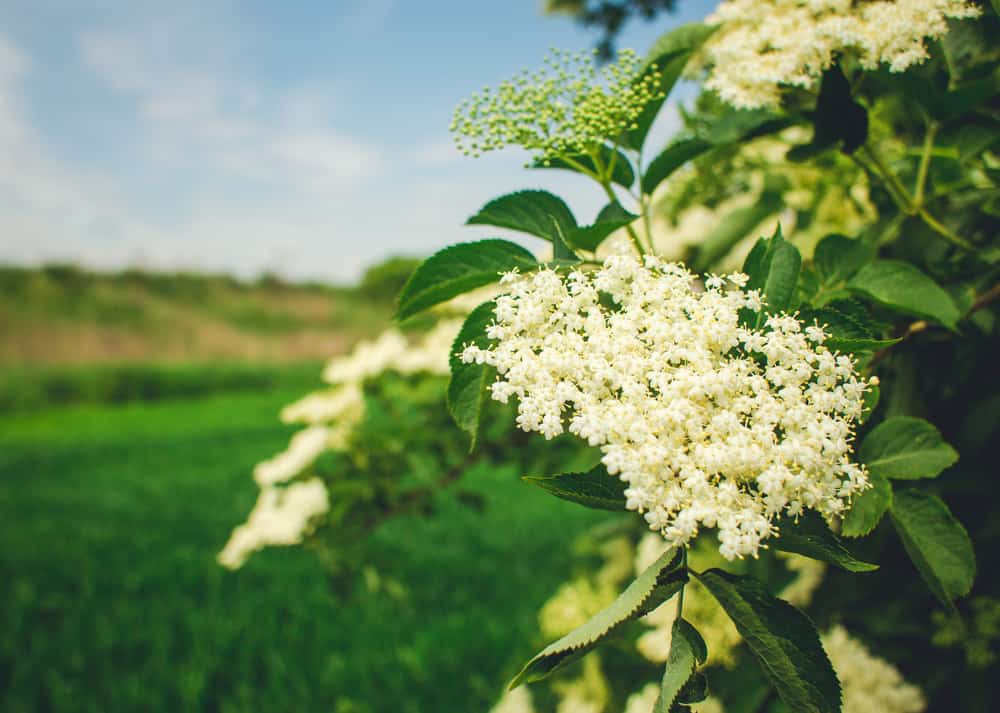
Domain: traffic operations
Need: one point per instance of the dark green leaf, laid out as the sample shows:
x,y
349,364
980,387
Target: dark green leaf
x,y
621,173
670,54
687,650
458,269
838,119
837,257
773,266
655,585
906,448
695,690
871,398
853,346
902,287
595,488
811,537
534,212
782,639
611,218
868,508
670,159
467,387
936,542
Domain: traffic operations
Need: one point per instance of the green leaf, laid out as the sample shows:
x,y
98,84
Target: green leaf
x,y
773,266
467,388
534,212
811,537
837,257
853,346
936,542
621,173
868,508
458,269
782,639
655,585
906,448
670,54
670,159
732,229
595,488
611,218
902,287
870,400
838,119
687,650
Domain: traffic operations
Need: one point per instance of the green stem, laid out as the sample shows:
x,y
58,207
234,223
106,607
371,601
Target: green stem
x,y
925,162
890,178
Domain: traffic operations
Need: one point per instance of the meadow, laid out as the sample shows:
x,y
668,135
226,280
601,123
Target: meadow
x,y
111,515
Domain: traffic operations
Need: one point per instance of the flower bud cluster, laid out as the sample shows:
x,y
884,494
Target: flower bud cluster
x,y
762,45
566,108
711,423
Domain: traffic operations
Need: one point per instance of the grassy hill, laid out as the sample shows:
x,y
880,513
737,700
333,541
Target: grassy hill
x,y
59,315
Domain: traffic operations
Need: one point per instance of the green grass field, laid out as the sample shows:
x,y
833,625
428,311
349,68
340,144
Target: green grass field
x,y
110,518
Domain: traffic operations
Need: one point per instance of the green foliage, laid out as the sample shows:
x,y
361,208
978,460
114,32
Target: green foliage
x,y
936,542
810,536
868,508
534,212
608,165
660,581
384,280
687,651
782,639
467,386
611,218
594,489
773,266
458,269
906,448
904,288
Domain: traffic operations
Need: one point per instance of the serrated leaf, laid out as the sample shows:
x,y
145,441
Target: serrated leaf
x,y
595,488
869,401
458,269
811,537
611,218
853,346
906,448
837,257
687,650
535,212
655,585
621,173
868,508
902,287
670,53
782,639
467,386
936,542
773,267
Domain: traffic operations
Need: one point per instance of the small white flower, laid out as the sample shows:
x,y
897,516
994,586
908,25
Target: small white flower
x,y
710,423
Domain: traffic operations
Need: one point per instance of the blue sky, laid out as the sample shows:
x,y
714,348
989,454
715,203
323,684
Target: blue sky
x,y
304,138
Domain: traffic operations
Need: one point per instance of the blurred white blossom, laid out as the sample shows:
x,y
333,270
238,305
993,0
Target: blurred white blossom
x,y
869,682
281,516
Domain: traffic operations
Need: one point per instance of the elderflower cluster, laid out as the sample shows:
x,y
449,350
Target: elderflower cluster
x,y
710,423
762,45
283,514
869,682
566,108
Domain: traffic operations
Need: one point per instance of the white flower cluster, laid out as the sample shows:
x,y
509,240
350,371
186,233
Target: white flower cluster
x,y
764,44
710,423
869,682
280,517
283,514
